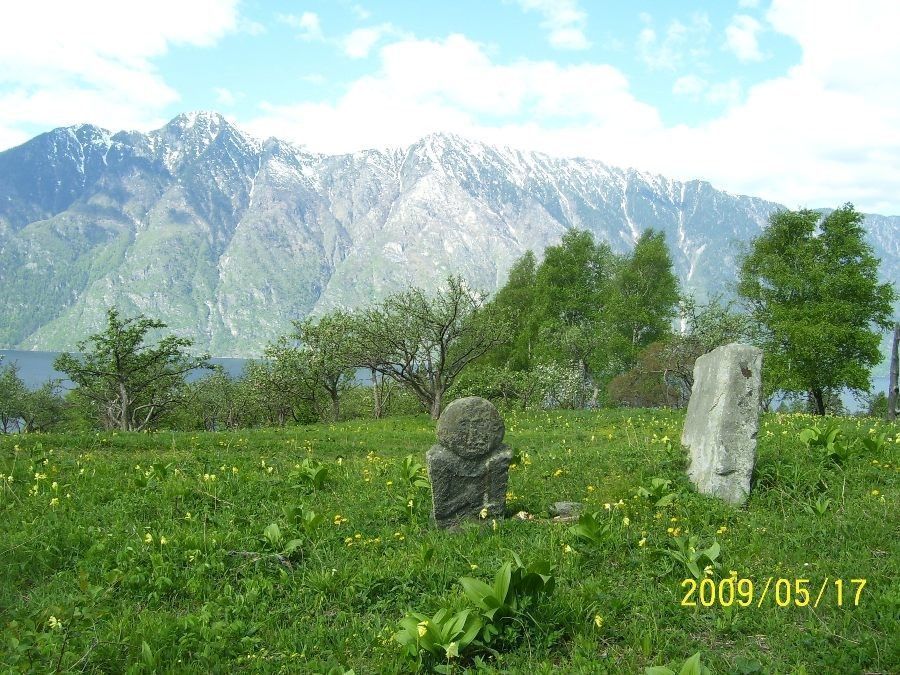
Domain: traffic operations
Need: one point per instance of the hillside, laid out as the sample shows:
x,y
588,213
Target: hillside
x,y
227,238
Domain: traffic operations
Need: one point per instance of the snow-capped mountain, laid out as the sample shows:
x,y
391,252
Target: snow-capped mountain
x,y
227,238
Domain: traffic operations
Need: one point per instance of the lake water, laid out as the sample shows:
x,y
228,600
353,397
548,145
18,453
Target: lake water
x,y
35,368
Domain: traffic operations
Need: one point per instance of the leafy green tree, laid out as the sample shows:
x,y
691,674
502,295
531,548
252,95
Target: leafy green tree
x,y
644,297
131,383
44,408
13,393
219,401
515,304
704,327
326,346
424,341
276,385
812,286
571,298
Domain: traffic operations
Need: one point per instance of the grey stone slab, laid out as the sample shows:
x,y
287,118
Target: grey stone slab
x,y
723,420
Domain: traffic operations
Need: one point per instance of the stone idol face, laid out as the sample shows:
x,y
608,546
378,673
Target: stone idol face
x,y
469,466
723,420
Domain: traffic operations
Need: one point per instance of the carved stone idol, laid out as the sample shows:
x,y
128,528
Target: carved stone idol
x,y
469,466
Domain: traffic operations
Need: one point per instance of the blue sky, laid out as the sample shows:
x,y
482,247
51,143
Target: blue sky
x,y
792,100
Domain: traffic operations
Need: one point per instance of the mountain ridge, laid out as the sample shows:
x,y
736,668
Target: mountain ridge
x,y
227,238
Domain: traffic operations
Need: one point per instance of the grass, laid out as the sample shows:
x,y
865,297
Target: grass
x,y
87,584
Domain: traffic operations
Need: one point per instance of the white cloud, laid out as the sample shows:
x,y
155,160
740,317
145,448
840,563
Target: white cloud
x,y
689,85
224,96
308,25
359,43
741,40
748,4
67,62
682,43
360,12
728,92
825,132
564,21
424,86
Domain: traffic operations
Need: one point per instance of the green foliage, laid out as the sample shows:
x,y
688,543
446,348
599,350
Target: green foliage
x,y
424,341
515,590
217,596
644,299
275,540
515,303
659,492
812,286
22,410
130,384
324,353
583,310
592,528
828,442
413,473
664,370
443,635
311,473
819,507
697,561
306,519
690,667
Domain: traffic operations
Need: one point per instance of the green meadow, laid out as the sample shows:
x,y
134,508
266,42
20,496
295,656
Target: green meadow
x,y
303,549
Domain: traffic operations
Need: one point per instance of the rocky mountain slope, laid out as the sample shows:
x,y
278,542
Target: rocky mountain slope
x,y
227,238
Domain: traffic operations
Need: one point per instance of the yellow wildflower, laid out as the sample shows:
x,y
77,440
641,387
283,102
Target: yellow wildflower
x,y
598,621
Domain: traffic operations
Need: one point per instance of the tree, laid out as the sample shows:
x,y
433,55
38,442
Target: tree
x,y
424,342
812,286
894,376
131,384
327,348
572,287
645,296
219,401
277,387
43,408
704,327
13,393
515,304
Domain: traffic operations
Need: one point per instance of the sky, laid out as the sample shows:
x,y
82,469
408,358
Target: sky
x,y
797,101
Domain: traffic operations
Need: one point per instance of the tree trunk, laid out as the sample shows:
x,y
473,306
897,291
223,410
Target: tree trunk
x,y
335,407
818,397
436,403
893,383
377,410
125,413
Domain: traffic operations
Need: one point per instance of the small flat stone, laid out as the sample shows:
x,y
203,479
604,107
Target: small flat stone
x,y
565,509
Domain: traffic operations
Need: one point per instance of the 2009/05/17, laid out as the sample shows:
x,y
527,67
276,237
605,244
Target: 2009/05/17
x,y
786,592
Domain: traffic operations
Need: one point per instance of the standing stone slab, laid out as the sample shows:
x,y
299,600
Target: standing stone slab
x,y
469,466
723,420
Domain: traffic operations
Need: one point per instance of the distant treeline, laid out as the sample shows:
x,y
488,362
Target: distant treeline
x,y
583,327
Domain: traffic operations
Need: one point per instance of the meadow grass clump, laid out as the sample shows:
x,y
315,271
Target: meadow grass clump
x,y
310,548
